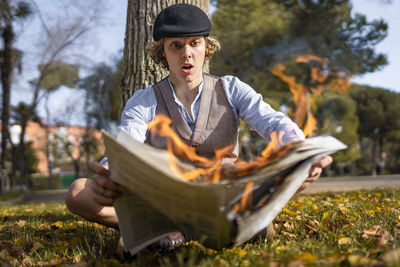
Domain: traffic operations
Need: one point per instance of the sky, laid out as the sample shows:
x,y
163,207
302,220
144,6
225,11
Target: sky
x,y
110,41
388,77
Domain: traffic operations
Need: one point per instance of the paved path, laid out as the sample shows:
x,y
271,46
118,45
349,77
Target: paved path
x,y
46,196
322,185
354,183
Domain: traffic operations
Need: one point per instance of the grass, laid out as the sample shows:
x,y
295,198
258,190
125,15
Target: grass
x,y
7,196
340,229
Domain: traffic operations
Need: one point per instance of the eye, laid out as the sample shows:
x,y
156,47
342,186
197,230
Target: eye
x,y
196,43
176,45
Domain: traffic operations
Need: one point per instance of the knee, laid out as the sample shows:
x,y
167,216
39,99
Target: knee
x,y
72,197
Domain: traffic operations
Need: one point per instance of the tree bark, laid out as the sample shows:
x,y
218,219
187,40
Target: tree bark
x,y
48,152
139,70
374,154
6,72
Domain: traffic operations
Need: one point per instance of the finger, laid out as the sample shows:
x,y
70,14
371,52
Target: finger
x,y
323,162
105,182
102,200
112,194
106,192
99,168
302,187
315,173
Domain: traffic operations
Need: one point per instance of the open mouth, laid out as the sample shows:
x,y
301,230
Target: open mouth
x,y
187,67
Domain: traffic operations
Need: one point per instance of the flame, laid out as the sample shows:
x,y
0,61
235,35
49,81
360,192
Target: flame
x,y
245,200
211,169
310,126
177,148
301,93
274,144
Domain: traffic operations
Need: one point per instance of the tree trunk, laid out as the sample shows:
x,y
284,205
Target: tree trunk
x,y
6,73
139,70
48,152
76,168
374,154
21,153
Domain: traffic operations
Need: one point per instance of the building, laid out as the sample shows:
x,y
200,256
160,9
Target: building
x,y
58,137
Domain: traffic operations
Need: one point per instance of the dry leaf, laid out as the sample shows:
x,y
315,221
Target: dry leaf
x,y
56,225
376,232
288,234
289,225
16,252
396,229
308,257
392,257
21,242
373,231
345,241
4,254
296,263
358,260
36,246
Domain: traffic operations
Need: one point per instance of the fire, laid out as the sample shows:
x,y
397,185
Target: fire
x,y
275,143
302,93
245,201
211,169
177,148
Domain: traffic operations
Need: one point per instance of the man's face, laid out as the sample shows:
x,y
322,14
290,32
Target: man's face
x,y
185,56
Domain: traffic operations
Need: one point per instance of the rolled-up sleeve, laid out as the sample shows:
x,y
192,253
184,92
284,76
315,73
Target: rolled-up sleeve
x,y
139,110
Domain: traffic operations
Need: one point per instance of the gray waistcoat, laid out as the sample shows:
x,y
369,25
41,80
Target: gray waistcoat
x,y
216,125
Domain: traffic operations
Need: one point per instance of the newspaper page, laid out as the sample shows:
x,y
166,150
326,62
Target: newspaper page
x,y
154,195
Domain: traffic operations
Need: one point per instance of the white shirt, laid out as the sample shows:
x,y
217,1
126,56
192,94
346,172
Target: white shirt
x,y
245,102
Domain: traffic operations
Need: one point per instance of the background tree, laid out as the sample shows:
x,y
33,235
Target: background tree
x,y
257,34
336,115
139,70
61,34
379,114
103,95
10,12
59,74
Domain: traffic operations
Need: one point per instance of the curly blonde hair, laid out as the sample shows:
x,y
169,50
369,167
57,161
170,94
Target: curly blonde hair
x,y
156,50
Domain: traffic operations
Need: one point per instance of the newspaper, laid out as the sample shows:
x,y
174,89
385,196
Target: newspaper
x,y
156,201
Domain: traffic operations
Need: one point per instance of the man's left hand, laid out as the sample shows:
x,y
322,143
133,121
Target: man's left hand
x,y
315,171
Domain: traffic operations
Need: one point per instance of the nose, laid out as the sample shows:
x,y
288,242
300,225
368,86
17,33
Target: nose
x,y
186,53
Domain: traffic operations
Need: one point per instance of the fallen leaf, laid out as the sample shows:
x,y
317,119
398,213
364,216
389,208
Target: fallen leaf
x,y
373,231
296,263
358,260
16,252
21,242
288,234
377,233
392,257
56,225
396,229
308,257
289,225
20,223
4,254
36,246
345,241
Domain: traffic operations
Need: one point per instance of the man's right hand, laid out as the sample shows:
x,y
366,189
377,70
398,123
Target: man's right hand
x,y
105,191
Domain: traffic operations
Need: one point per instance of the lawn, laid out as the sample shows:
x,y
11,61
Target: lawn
x,y
329,229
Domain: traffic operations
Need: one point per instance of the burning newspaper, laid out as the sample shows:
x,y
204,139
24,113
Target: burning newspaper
x,y
156,201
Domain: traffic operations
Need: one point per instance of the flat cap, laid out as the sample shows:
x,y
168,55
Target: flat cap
x,y
181,20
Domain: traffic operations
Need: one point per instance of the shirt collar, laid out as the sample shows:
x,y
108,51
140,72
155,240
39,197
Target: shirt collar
x,y
195,99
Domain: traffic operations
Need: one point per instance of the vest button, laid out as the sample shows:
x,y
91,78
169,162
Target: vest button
x,y
195,145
